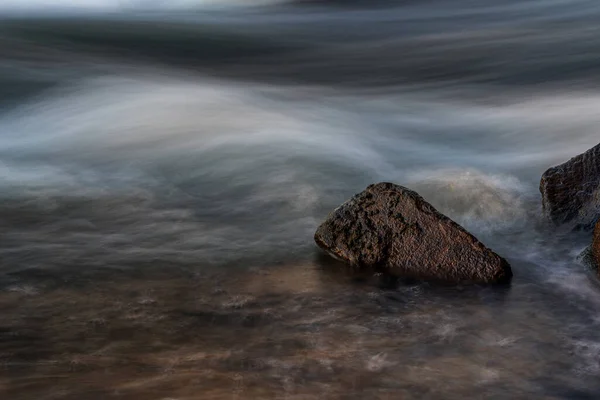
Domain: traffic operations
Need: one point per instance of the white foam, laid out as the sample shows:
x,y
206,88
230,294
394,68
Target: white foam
x,y
53,6
478,201
143,119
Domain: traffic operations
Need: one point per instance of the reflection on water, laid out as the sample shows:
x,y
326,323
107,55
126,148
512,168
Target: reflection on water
x,y
291,331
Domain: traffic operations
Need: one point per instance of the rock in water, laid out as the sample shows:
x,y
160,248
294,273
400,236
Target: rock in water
x,y
596,246
391,228
571,191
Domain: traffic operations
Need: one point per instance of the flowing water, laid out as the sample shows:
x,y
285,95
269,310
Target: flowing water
x,y
164,165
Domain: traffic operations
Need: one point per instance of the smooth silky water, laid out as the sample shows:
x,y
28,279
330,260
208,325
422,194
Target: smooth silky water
x,y
164,167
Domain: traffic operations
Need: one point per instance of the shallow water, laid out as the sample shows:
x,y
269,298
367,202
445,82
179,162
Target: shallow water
x,y
162,173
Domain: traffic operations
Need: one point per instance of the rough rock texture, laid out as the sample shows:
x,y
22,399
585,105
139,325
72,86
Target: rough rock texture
x,y
596,246
391,228
571,191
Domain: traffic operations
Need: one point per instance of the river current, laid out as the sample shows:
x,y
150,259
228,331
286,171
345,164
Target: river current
x,y
164,165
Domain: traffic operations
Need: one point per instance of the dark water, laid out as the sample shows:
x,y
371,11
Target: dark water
x,y
163,168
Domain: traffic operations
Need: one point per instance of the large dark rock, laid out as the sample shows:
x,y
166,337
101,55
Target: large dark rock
x,y
391,228
596,247
570,191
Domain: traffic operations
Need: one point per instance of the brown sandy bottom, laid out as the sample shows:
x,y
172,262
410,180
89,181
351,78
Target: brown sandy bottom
x,y
287,332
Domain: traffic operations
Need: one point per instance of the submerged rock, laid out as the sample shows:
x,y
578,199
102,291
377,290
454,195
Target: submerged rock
x,y
571,191
390,228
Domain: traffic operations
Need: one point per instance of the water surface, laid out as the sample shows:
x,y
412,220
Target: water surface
x,y
163,169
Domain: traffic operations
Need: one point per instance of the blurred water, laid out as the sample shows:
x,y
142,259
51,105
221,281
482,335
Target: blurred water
x,y
205,145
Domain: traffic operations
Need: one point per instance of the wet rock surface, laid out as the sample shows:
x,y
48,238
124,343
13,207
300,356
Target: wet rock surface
x,y
596,247
392,229
571,191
